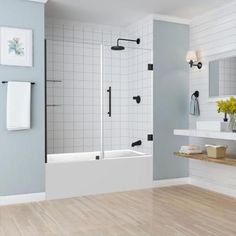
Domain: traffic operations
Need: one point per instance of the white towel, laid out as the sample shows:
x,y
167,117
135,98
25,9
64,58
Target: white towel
x,y
191,151
18,105
190,147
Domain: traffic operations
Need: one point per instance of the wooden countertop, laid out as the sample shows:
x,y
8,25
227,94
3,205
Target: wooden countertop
x,y
228,160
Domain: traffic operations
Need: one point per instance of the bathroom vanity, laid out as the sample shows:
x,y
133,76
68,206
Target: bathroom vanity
x,y
211,130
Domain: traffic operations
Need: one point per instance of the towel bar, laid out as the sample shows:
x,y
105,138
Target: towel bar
x,y
5,82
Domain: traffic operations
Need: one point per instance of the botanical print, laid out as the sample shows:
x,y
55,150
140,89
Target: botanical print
x,y
16,47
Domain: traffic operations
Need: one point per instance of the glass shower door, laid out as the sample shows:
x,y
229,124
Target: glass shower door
x,y
73,97
127,101
93,96
114,100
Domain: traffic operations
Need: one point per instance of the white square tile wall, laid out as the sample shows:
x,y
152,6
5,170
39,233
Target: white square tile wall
x,y
73,53
74,119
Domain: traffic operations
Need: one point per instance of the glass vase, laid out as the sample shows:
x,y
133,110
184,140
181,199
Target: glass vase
x,y
232,122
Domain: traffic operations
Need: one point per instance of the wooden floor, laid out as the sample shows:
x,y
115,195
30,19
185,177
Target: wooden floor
x,y
180,210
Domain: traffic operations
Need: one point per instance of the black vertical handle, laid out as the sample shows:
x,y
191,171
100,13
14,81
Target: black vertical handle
x,y
109,91
45,101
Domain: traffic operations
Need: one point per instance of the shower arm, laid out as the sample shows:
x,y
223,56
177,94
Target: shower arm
x,y
128,40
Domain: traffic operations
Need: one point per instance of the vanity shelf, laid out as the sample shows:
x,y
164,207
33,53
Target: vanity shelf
x,y
205,134
229,160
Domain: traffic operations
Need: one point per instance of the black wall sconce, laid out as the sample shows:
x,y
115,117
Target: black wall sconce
x,y
192,59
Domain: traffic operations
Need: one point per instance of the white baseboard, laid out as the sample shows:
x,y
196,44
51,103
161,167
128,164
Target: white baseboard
x,y
213,187
170,182
195,182
36,197
24,198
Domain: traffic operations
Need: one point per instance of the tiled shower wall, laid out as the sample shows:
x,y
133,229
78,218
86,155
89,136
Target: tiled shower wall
x,y
74,112
115,75
74,120
140,82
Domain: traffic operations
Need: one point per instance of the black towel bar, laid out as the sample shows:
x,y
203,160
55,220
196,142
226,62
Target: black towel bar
x,y
5,82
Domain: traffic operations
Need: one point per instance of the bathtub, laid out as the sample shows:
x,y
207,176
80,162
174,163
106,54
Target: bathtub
x,y
81,174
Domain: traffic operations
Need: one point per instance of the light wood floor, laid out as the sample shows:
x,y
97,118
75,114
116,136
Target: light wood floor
x,y
182,210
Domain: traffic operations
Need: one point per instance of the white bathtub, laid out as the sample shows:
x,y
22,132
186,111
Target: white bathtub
x,y
80,174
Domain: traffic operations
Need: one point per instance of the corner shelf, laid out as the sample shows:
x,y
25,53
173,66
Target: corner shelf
x,y
205,134
229,160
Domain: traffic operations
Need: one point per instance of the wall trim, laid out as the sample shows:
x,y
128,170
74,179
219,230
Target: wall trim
x,y
37,197
212,187
22,198
195,182
40,1
171,182
172,19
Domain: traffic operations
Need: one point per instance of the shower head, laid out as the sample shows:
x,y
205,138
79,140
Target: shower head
x,y
117,48
120,48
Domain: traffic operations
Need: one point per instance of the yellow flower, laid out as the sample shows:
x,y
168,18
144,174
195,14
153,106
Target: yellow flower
x,y
228,106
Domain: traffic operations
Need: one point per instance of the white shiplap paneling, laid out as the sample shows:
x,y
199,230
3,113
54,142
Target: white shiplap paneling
x,y
212,34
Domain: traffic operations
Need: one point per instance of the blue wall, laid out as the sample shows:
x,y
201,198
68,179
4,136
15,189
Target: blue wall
x,y
171,97
22,152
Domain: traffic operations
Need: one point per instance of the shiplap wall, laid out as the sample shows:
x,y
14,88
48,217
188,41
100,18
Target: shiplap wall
x,y
212,34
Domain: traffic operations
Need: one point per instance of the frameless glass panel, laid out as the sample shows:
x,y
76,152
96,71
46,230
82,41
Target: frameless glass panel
x,y
127,101
73,97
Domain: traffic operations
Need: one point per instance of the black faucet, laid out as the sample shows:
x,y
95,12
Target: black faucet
x,y
137,143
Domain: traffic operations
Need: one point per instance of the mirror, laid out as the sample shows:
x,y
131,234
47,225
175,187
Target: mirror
x,y
222,77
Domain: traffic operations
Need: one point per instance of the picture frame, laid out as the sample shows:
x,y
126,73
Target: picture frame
x,y
16,47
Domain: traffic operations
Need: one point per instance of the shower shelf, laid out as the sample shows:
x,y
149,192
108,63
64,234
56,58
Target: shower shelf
x,y
54,81
53,105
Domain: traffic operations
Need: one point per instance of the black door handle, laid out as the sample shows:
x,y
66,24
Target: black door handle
x,y
109,91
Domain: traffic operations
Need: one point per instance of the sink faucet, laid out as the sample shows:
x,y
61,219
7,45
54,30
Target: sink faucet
x,y
137,143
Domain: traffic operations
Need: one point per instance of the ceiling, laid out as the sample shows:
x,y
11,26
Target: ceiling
x,y
125,12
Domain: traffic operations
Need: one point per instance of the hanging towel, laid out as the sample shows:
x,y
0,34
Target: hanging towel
x,y
194,106
18,105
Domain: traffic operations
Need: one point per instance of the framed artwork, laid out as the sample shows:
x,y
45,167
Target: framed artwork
x,y
15,47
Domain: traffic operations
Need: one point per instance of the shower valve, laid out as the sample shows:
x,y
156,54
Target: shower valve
x,y
137,98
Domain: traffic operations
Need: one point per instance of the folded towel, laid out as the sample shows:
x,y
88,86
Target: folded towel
x,y
216,146
190,151
18,105
190,147
194,106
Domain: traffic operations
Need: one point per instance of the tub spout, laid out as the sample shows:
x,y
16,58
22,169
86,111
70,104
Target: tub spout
x,y
137,143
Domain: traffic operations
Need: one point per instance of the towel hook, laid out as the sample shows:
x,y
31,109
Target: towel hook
x,y
196,94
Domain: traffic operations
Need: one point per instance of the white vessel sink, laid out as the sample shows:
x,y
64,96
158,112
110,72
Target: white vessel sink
x,y
213,126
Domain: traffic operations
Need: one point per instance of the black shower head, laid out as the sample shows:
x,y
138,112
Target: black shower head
x,y
120,48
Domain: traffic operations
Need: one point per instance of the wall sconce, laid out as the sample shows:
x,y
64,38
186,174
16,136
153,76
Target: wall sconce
x,y
192,59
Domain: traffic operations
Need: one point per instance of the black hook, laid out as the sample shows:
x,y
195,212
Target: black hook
x,y
196,94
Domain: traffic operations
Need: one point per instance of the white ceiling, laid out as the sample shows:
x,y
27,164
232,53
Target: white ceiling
x,y
124,12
